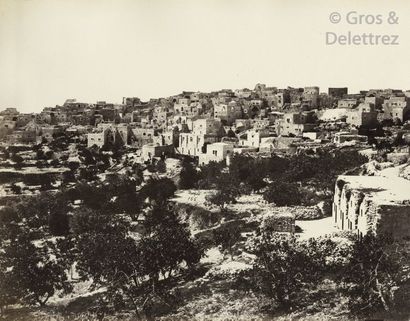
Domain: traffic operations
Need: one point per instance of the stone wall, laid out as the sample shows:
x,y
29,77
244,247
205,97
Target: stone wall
x,y
358,207
279,223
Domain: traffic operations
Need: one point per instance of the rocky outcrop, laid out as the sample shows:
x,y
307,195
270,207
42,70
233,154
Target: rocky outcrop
x,y
405,172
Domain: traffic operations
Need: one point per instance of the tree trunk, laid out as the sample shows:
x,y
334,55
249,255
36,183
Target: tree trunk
x,y
381,296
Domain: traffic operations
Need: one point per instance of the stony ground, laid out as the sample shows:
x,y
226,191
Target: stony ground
x,y
209,296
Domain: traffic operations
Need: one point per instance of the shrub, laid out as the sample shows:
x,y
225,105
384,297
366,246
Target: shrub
x,y
283,194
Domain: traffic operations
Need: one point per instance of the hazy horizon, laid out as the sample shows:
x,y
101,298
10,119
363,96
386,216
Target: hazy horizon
x,y
52,50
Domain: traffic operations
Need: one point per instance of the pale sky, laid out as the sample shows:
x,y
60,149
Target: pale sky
x,y
51,50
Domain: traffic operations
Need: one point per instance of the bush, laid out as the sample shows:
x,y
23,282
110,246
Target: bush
x,y
283,194
201,219
226,236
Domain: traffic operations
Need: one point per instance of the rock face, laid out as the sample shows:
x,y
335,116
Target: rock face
x,y
375,204
373,167
398,158
405,172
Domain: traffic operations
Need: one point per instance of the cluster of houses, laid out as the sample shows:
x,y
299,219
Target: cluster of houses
x,y
213,126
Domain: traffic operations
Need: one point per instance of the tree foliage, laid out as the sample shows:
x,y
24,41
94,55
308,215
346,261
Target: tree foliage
x,y
189,176
283,193
284,267
158,191
227,236
35,271
227,190
373,277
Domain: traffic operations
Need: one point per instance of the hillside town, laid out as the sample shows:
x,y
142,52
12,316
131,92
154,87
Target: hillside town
x,y
210,126
194,190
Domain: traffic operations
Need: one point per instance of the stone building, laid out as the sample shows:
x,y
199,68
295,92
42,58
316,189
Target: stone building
x,y
10,111
24,119
252,137
294,124
252,107
243,93
343,137
48,132
131,102
347,103
206,126
364,115
228,112
280,99
215,152
97,138
169,137
242,124
311,96
374,100
142,136
109,133
7,124
186,107
150,151
337,92
295,95
397,108
279,144
193,144
374,204
204,131
261,123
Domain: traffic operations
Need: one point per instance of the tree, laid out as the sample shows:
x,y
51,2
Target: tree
x,y
283,268
249,171
17,159
7,293
158,191
283,194
89,220
58,209
35,273
227,236
87,155
68,176
49,154
93,195
55,162
34,211
123,195
188,176
130,268
43,211
88,173
378,268
166,244
107,254
58,220
160,166
16,189
226,193
210,174
397,121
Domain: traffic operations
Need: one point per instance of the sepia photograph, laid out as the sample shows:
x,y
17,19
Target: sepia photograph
x,y
200,160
